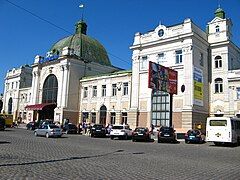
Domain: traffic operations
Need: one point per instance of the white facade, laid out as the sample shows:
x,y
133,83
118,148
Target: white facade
x,y
207,63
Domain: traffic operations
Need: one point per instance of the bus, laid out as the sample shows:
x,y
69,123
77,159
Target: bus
x,y
8,119
223,130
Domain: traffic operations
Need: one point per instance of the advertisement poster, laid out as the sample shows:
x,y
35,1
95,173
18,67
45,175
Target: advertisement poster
x,y
198,86
162,78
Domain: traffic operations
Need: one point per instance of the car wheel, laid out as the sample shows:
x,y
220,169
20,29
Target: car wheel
x,y
67,132
187,142
47,135
126,137
35,133
112,137
133,140
159,141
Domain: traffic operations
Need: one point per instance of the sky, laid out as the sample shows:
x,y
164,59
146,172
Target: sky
x,y
30,27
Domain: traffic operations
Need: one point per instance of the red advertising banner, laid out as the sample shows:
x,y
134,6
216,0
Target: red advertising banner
x,y
162,78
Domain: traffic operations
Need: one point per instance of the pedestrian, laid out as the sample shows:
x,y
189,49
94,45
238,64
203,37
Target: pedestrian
x,y
79,128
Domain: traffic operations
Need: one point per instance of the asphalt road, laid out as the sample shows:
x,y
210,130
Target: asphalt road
x,y
24,156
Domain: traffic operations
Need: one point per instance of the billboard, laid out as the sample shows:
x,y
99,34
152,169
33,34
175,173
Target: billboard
x,y
198,86
162,78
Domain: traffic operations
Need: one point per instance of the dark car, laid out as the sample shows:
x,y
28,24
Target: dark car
x,y
31,125
141,133
166,134
194,136
2,123
98,130
70,128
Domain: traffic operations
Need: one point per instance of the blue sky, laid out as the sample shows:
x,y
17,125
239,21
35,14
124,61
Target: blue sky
x,y
112,22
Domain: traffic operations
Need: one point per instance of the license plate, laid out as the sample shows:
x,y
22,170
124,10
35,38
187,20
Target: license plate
x,y
98,130
166,135
140,134
191,137
116,133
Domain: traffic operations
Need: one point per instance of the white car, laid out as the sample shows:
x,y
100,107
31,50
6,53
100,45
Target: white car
x,y
120,131
48,130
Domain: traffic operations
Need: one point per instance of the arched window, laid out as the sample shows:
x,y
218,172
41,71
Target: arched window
x,y
218,85
103,114
50,89
10,101
217,28
218,62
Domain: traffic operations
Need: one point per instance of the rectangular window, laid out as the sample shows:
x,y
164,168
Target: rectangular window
x,y
12,84
178,56
238,92
113,117
201,59
103,90
125,88
94,94
124,118
143,63
160,58
93,117
16,85
114,89
85,92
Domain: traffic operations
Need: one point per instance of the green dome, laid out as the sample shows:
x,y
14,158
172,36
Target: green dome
x,y
220,13
91,51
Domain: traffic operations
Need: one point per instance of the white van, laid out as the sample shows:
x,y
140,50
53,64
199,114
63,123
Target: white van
x,y
223,130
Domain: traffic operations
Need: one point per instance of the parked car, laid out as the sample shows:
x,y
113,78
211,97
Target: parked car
x,y
121,131
98,130
31,125
194,136
141,133
70,128
166,134
2,123
48,130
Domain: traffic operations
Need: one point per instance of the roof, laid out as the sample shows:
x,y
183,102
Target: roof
x,y
85,47
40,106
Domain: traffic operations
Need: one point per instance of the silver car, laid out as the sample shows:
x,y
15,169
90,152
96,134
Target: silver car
x,y
48,130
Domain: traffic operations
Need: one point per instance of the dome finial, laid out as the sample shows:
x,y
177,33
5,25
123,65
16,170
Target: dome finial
x,y
219,12
81,26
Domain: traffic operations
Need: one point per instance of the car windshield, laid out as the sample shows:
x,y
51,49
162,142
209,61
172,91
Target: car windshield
x,y
141,130
98,126
117,127
166,129
194,132
53,126
71,125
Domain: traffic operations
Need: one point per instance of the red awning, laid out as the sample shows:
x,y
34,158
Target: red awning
x,y
40,106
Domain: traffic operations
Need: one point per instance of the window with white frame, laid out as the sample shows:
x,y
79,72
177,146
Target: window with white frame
x,y
12,84
178,56
238,92
143,63
85,92
103,90
114,89
218,85
217,28
94,93
16,85
113,118
160,58
218,62
124,117
125,88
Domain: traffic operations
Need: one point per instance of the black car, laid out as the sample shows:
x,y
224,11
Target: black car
x,y
70,128
141,133
2,123
166,134
31,125
98,130
194,136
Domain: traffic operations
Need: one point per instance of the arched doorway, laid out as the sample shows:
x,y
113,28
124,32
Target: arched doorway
x,y
103,114
10,101
49,95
